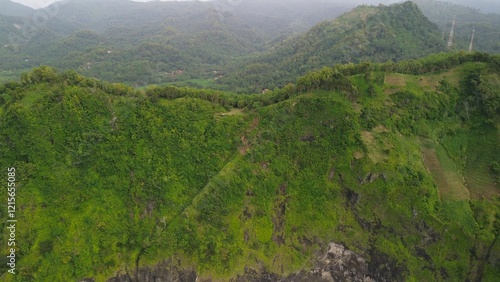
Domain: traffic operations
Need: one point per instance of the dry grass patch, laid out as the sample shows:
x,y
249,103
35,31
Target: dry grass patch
x,y
358,155
377,149
393,83
395,80
450,184
380,129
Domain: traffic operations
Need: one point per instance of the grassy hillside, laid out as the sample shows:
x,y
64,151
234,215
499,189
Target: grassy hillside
x,y
386,159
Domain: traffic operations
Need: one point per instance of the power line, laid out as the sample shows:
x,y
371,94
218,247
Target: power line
x,y
471,41
452,33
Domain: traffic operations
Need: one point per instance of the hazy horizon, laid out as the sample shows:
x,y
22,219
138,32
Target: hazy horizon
x,y
478,4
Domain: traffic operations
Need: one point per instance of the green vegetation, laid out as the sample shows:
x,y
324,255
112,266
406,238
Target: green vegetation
x,y
366,34
244,48
114,178
144,43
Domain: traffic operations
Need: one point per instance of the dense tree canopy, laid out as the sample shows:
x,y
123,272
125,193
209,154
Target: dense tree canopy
x,y
364,154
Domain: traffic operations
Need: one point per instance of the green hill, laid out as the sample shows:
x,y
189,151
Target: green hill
x,y
389,171
367,33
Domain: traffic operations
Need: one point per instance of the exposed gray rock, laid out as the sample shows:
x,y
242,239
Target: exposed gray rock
x,y
165,271
338,264
342,264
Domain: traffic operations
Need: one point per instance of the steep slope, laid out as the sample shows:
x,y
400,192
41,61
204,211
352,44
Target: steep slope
x,y
378,34
330,177
7,28
367,33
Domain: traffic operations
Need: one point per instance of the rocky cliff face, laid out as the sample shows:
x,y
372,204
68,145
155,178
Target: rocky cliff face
x,y
164,271
342,264
338,264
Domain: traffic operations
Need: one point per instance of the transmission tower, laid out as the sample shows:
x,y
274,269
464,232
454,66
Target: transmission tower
x,y
471,41
452,33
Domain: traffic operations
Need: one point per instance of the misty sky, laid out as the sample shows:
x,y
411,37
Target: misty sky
x,y
43,3
470,3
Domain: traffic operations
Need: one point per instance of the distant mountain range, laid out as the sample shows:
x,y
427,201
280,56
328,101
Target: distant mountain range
x,y
10,8
201,36
245,47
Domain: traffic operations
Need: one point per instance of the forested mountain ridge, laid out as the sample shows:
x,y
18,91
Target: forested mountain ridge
x,y
380,33
247,46
391,165
225,32
367,33
275,17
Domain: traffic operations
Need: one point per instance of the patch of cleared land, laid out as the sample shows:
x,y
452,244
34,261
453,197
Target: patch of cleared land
x,y
393,83
431,82
377,149
395,80
233,112
448,179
